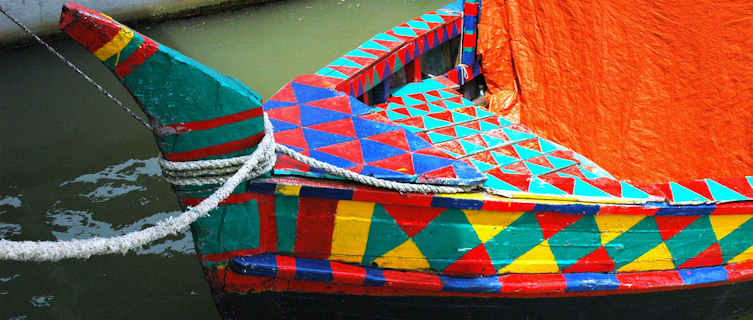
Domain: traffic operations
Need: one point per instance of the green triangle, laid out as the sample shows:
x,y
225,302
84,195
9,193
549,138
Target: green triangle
x,y
682,194
431,123
384,235
516,135
438,137
464,132
481,166
492,142
536,169
542,187
547,146
458,117
503,159
629,191
559,163
722,193
471,148
583,188
398,63
526,153
497,184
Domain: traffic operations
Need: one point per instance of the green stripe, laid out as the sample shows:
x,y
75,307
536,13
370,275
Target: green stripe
x,y
286,215
228,228
129,49
198,139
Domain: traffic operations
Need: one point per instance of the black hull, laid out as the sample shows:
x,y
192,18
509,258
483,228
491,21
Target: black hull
x,y
723,302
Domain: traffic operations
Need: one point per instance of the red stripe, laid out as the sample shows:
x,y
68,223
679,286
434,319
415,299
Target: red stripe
x,y
392,197
217,150
146,50
87,27
469,40
285,267
734,208
470,9
221,257
508,206
212,123
316,220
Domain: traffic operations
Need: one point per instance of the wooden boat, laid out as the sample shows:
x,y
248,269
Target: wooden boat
x,y
542,231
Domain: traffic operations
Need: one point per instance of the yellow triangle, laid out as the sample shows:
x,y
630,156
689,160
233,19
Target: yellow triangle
x,y
406,256
725,224
537,260
488,224
746,255
612,226
657,258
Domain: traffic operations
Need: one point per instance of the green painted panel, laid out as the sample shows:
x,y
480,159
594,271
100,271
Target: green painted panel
x,y
286,215
515,240
384,235
575,241
691,241
632,244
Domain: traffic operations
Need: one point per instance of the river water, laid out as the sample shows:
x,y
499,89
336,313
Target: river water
x,y
72,165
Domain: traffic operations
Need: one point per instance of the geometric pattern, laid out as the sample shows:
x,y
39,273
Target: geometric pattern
x,y
330,126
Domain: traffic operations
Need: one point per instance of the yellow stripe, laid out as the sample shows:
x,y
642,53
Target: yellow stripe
x,y
286,190
351,231
115,45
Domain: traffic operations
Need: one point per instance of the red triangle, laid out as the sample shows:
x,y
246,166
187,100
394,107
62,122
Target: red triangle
x,y
363,61
507,150
410,49
485,157
439,103
433,93
669,226
597,261
444,115
424,135
417,122
348,71
393,138
456,99
412,219
287,163
452,146
429,37
350,150
542,161
397,100
423,107
531,144
403,54
610,186
434,151
712,256
477,140
518,167
471,111
343,127
290,114
292,137
403,111
400,163
448,131
380,71
740,185
699,187
473,263
401,37
444,173
565,154
573,171
285,94
388,44
520,181
551,222
492,120
339,104
417,96
566,184
431,24
476,126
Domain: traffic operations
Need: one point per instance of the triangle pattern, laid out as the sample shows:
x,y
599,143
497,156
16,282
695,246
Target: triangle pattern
x,y
597,261
657,258
551,223
475,262
488,224
537,260
410,219
384,235
404,256
669,226
712,256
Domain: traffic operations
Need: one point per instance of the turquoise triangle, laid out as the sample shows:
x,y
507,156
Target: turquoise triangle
x,y
682,194
385,37
418,25
331,73
497,184
416,112
547,146
411,101
485,126
431,123
492,141
452,105
359,53
481,113
438,137
464,132
722,193
526,153
470,148
482,166
536,169
503,159
393,105
516,135
392,115
430,98
559,163
542,187
345,63
458,117
583,188
447,95
373,45
435,108
432,18
629,191
588,174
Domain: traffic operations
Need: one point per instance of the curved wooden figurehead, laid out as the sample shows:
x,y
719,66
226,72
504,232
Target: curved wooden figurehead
x,y
197,112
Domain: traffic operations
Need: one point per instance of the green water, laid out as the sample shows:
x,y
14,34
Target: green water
x,y
72,165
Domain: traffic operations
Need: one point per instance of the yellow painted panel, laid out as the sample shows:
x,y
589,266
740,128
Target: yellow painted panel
x,y
724,224
488,224
746,255
405,256
115,45
293,191
657,258
612,226
351,231
537,260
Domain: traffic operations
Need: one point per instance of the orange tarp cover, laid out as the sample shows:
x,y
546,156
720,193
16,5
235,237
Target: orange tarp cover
x,y
650,90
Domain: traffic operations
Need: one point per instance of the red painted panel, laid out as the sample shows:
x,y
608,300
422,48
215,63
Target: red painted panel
x,y
316,220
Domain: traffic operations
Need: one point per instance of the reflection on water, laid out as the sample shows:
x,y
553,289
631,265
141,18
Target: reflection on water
x,y
72,165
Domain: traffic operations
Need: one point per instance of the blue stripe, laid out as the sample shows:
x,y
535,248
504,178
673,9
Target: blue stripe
x,y
374,277
313,270
326,193
590,281
703,275
584,209
264,265
474,285
683,210
442,202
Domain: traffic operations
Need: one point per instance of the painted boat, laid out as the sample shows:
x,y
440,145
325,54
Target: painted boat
x,y
541,231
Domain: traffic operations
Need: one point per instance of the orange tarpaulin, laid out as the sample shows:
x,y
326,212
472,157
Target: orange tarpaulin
x,y
650,90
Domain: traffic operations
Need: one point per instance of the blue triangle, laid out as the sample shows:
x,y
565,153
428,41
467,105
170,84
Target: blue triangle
x,y
305,93
467,174
722,193
415,142
316,139
357,107
272,104
386,174
282,125
424,163
629,191
497,184
516,135
536,169
525,153
542,187
560,163
313,115
368,128
583,188
375,151
682,194
333,160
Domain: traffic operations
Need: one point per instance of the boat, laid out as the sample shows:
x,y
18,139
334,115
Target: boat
x,y
517,225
